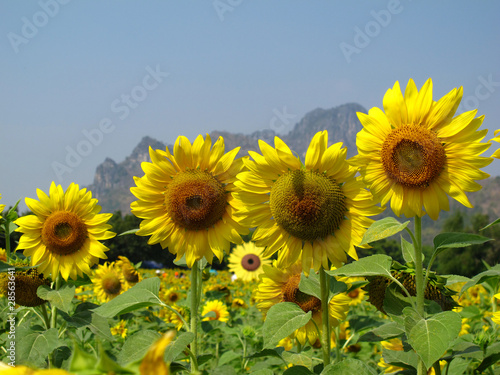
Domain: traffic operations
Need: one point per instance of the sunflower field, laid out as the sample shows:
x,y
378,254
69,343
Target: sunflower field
x,y
296,298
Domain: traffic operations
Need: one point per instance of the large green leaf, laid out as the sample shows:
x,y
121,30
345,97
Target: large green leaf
x,y
401,358
382,229
141,295
492,273
34,348
348,366
298,370
177,346
453,240
97,324
433,336
310,284
458,366
373,265
384,332
282,320
61,298
408,251
136,346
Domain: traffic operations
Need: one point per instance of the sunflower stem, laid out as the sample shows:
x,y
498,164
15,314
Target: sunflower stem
x,y
194,315
325,332
419,280
336,332
7,240
53,318
45,315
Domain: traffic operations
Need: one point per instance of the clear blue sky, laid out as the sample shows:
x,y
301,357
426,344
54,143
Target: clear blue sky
x,y
162,69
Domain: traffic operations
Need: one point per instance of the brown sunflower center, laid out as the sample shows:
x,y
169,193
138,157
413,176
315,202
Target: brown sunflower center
x,y
250,262
308,205
130,274
291,293
195,200
413,156
64,233
111,285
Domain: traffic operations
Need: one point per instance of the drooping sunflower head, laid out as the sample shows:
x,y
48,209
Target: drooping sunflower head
x,y
26,284
318,210
108,282
216,310
416,153
130,273
246,261
63,235
435,289
282,285
186,199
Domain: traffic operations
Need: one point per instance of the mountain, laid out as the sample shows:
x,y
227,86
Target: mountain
x,y
112,180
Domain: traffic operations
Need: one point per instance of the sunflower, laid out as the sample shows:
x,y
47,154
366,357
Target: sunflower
x,y
2,206
108,282
130,274
186,199
246,261
216,307
395,345
63,234
282,285
318,209
153,362
417,153
26,284
496,154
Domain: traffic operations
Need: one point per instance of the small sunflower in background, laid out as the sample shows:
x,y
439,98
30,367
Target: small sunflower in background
x,y
63,235
26,285
246,261
130,274
120,329
239,303
170,296
108,282
218,308
496,315
282,285
416,154
2,206
186,199
318,211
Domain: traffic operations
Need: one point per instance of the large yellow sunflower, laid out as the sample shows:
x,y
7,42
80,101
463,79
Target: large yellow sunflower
x,y
186,199
63,234
417,153
282,285
246,261
318,209
109,282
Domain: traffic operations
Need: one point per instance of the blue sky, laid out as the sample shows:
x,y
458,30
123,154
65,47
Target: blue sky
x,y
85,80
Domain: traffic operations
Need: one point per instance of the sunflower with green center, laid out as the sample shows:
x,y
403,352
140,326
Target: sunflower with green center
x,y
108,282
282,285
216,307
63,235
318,210
186,199
246,261
416,154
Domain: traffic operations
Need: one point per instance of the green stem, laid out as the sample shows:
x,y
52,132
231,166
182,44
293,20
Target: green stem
x,y
45,315
194,315
437,368
325,332
419,280
53,317
336,332
7,240
185,325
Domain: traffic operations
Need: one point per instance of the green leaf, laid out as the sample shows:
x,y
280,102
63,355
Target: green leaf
x,y
5,267
299,359
177,346
264,371
395,300
131,231
400,358
373,265
141,295
384,332
228,357
487,362
408,251
490,224
433,336
82,317
382,229
106,365
12,213
348,366
298,370
80,360
34,348
492,273
458,366
276,353
282,320
62,298
310,284
137,345
456,240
